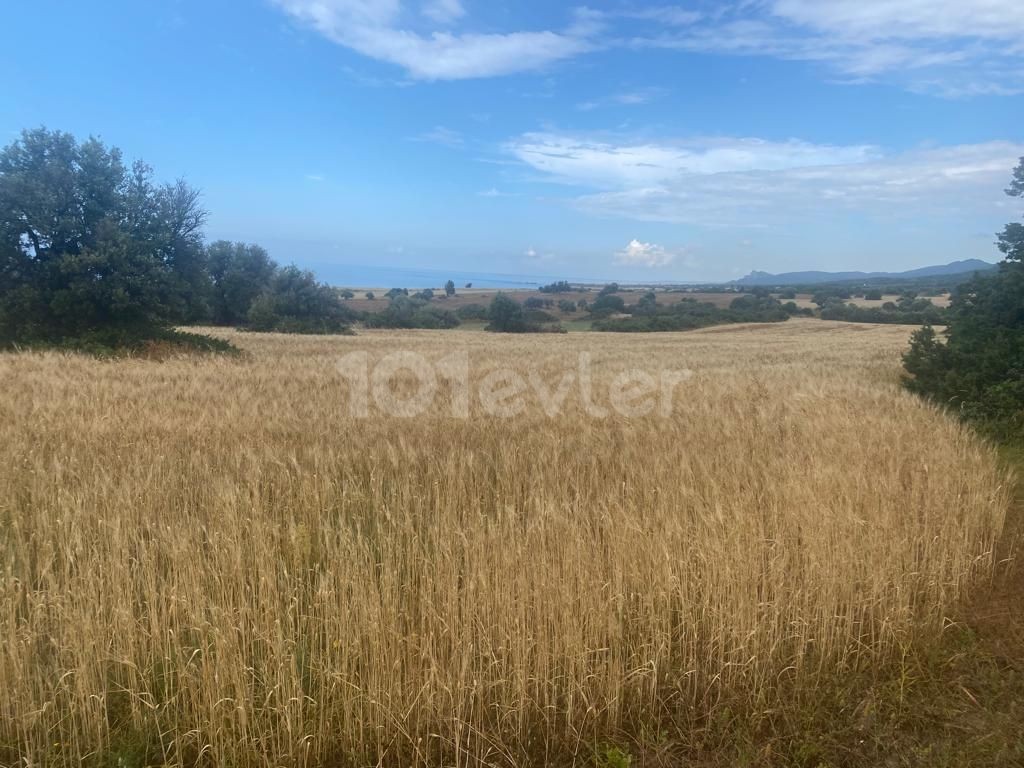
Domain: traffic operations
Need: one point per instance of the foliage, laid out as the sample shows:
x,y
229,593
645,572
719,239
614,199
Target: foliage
x,y
471,312
295,302
449,288
411,312
506,315
607,304
825,295
239,272
558,287
536,302
88,245
689,314
567,305
906,312
979,370
425,295
610,288
150,343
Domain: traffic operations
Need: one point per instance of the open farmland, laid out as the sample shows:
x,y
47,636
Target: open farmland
x,y
217,561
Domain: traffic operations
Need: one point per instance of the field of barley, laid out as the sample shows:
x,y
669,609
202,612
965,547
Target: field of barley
x,y
223,561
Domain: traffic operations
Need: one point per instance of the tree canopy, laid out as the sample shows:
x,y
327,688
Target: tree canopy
x,y
239,272
87,243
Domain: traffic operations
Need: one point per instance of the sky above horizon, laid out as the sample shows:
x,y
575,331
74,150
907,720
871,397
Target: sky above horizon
x,y
615,140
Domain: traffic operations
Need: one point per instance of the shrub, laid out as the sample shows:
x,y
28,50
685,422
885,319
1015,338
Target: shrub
x,y
559,287
295,302
505,315
472,312
607,304
412,312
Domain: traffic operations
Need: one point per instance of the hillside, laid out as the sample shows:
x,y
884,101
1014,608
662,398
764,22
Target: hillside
x,y
966,267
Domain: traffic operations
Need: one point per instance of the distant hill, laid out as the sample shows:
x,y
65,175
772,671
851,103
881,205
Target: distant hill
x,y
965,267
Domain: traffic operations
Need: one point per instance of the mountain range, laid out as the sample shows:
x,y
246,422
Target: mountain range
x,y
965,267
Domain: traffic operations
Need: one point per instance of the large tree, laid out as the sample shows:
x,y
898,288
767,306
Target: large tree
x,y
87,244
979,369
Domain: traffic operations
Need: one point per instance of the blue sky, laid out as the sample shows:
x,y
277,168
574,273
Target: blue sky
x,y
627,140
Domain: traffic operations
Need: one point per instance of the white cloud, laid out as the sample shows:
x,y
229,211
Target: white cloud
x,y
380,29
638,254
751,182
949,47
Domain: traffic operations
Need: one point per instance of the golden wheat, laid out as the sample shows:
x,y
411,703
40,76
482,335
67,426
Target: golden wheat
x,y
214,560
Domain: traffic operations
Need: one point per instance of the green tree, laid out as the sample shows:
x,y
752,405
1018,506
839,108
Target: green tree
x,y
506,315
449,288
979,370
87,245
295,302
607,304
239,272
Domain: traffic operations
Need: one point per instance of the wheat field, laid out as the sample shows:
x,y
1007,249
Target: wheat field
x,y
216,561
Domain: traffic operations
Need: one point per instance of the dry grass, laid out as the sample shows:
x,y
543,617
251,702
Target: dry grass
x,y
210,560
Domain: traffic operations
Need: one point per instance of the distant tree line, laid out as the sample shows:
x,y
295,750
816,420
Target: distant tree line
x,y
907,310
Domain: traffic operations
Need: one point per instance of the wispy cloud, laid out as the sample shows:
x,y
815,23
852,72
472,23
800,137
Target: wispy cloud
x,y
444,11
949,47
952,47
383,30
751,182
611,162
446,137
628,98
